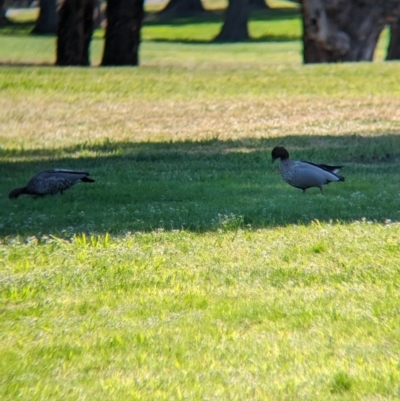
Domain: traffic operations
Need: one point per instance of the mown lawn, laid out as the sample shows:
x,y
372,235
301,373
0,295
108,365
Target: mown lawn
x,y
189,269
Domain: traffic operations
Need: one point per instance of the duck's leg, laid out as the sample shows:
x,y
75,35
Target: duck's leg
x,y
304,190
322,191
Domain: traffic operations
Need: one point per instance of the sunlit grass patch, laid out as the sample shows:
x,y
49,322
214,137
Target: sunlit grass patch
x,y
178,306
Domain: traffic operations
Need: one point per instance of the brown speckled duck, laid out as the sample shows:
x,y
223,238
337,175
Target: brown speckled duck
x,y
303,175
51,182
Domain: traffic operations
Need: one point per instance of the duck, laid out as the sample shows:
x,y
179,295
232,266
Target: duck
x,y
303,174
51,182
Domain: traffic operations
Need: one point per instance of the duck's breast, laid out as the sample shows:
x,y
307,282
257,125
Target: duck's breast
x,y
287,168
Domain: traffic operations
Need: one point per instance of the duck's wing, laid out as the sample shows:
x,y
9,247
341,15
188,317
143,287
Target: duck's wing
x,y
332,169
71,176
312,175
65,174
67,171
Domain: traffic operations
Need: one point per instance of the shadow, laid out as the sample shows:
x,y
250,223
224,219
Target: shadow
x,y
23,64
212,16
261,39
217,16
157,19
199,186
17,28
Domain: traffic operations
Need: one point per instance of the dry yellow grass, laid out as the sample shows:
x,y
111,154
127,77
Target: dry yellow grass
x,y
52,122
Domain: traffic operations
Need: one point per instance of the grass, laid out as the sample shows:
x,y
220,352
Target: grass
x,y
297,312
189,269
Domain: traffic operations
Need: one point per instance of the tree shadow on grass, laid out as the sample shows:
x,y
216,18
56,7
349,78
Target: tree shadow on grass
x,y
155,19
199,186
262,39
210,16
17,28
18,64
269,15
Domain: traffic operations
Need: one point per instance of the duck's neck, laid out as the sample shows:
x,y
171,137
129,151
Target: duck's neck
x,y
284,163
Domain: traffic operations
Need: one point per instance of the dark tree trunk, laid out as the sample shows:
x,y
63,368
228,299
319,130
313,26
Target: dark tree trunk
x,y
394,44
97,14
74,32
182,8
48,18
235,25
258,4
3,18
124,22
344,30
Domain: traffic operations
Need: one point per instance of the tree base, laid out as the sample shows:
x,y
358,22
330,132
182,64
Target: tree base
x,y
235,25
394,44
47,22
344,30
122,42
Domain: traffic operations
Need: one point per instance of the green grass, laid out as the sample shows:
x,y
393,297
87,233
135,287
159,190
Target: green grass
x,y
284,313
189,270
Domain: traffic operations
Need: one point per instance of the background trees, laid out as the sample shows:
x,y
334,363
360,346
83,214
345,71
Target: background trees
x,y
122,36
333,30
3,19
394,44
344,30
74,32
235,25
48,18
124,21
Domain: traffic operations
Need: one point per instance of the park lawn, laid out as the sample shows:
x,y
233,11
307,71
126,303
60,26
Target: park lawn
x,y
297,312
189,269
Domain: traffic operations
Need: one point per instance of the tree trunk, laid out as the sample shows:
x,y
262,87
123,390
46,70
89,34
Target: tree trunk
x,y
182,8
124,22
258,4
3,18
48,18
394,44
74,32
97,14
344,30
235,25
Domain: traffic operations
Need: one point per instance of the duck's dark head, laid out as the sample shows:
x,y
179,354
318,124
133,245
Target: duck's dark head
x,y
279,152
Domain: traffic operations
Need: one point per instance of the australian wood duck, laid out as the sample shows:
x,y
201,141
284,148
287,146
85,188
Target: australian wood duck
x,y
50,182
303,175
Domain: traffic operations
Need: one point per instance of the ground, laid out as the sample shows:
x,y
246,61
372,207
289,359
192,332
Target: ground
x,y
189,269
